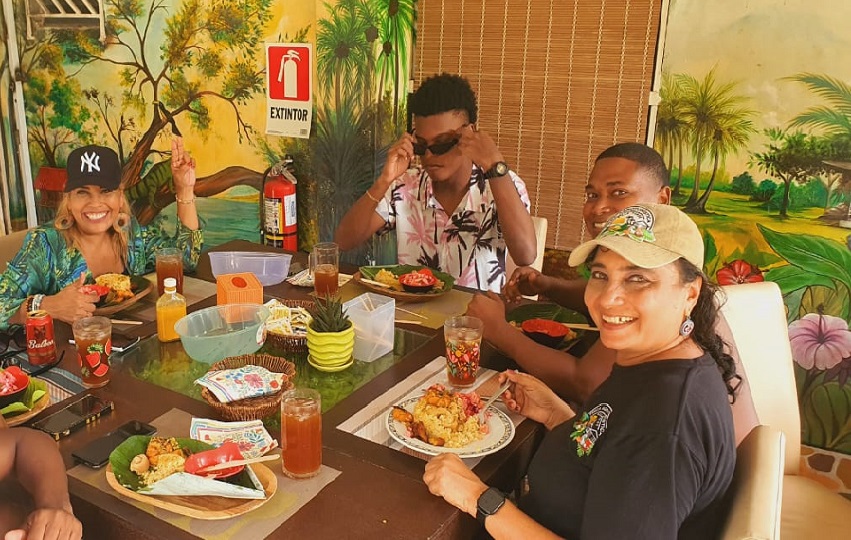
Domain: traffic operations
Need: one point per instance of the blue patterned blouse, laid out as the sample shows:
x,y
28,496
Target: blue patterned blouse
x,y
46,264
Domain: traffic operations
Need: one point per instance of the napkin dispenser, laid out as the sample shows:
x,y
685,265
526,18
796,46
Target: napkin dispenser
x,y
374,318
240,288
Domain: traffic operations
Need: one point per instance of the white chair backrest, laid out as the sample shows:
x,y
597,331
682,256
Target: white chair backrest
x,y
10,245
540,225
757,318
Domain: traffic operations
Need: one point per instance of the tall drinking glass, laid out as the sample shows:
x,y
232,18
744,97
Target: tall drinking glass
x,y
325,268
93,336
169,264
301,432
463,336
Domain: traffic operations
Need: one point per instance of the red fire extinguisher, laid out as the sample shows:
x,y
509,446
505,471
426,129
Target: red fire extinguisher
x,y
278,223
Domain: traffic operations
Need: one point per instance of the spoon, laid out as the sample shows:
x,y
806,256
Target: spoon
x,y
237,463
491,399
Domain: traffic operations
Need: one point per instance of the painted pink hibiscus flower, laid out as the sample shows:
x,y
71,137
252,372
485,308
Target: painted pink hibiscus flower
x,y
819,341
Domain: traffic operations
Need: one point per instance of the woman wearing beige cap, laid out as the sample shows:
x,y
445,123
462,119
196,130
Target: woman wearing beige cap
x,y
651,453
94,234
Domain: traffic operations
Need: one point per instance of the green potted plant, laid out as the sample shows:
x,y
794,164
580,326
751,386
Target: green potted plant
x,y
330,335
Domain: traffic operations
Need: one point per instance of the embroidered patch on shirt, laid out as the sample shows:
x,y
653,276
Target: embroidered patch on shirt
x,y
589,427
634,222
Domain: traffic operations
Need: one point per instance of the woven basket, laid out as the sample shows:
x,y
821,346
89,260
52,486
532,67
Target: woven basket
x,y
255,408
296,344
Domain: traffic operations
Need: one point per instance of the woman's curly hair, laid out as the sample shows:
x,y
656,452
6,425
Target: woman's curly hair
x,y
705,316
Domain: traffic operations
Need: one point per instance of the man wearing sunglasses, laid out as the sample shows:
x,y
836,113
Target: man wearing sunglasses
x,y
462,208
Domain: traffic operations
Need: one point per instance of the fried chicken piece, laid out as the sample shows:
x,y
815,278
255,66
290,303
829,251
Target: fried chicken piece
x,y
158,446
401,415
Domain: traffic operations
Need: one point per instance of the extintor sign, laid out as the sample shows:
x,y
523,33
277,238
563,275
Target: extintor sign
x,y
289,89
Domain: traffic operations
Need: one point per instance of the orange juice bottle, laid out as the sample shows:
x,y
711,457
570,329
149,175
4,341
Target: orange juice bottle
x,y
171,307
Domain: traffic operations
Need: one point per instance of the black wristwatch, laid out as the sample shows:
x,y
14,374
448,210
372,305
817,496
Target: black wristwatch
x,y
500,168
489,504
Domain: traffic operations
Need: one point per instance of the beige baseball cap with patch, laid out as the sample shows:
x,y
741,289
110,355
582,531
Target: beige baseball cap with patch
x,y
648,236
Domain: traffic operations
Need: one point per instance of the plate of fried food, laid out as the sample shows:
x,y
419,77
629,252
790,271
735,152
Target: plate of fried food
x,y
405,282
118,291
442,421
154,470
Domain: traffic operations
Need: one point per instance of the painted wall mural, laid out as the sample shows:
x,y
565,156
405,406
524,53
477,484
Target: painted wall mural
x,y
196,68
755,125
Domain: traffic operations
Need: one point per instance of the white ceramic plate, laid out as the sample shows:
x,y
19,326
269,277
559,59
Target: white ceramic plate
x,y
500,434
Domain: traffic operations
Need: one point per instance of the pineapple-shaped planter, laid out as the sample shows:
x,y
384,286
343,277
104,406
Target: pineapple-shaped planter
x,y
330,335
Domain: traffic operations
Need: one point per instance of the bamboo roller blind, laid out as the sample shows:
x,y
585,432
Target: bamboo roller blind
x,y
558,81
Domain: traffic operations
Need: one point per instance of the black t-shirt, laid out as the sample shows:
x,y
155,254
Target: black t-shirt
x,y
651,456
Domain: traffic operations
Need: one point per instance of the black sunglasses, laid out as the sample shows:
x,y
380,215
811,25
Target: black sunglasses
x,y
437,149
16,337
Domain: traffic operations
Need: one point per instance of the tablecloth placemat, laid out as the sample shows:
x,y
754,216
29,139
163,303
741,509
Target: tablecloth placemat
x,y
194,290
259,523
369,423
432,312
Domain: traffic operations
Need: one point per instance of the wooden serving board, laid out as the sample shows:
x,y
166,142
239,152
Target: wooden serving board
x,y
399,296
19,419
140,285
203,507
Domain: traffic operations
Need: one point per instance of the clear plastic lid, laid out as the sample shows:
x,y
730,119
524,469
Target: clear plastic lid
x,y
170,283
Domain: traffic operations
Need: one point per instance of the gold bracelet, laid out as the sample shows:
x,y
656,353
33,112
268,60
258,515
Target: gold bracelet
x,y
184,201
368,194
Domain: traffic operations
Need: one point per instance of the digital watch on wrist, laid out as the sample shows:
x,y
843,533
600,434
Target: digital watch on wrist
x,y
489,504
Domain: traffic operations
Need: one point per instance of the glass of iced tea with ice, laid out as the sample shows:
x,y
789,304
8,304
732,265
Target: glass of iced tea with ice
x,y
93,338
301,432
325,268
169,264
463,337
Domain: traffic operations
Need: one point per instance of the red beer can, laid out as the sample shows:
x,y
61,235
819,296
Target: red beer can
x,y
41,345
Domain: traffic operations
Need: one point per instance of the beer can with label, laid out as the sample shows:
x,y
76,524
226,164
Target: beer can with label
x,y
41,345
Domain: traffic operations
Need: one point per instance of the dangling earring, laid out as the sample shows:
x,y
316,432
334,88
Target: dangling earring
x,y
687,327
122,221
65,222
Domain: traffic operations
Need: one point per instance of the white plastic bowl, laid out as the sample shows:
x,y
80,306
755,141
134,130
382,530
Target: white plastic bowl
x,y
270,268
211,334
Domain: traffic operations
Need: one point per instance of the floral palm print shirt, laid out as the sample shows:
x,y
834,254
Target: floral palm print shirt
x,y
46,264
466,243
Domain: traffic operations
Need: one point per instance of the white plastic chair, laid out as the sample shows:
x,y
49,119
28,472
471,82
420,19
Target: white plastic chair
x,y
540,225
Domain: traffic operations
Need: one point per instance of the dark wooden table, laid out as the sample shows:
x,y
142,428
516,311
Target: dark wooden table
x,y
380,493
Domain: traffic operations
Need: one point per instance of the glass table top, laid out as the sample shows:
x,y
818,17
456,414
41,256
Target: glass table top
x,y
167,365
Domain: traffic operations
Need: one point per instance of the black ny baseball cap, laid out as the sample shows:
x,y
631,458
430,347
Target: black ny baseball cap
x,y
93,166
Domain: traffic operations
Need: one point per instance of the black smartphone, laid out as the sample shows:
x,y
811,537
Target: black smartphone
x,y
96,453
75,415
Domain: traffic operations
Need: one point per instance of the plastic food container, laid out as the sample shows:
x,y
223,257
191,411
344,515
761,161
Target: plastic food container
x,y
270,268
374,317
218,332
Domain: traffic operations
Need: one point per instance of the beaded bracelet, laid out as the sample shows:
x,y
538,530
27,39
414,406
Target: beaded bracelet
x,y
184,201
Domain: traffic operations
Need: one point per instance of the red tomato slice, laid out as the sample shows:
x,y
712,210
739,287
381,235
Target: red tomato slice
x,y
545,326
99,290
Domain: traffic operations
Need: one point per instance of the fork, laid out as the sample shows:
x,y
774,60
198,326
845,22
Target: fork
x,y
491,399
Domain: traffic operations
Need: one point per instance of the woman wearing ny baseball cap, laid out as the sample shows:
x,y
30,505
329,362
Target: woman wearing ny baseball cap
x,y
651,453
93,234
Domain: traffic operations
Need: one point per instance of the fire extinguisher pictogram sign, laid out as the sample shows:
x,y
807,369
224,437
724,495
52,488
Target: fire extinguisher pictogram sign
x,y
289,89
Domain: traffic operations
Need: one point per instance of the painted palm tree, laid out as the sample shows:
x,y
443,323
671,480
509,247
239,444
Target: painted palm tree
x,y
342,160
706,105
396,30
834,119
341,51
671,127
732,132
